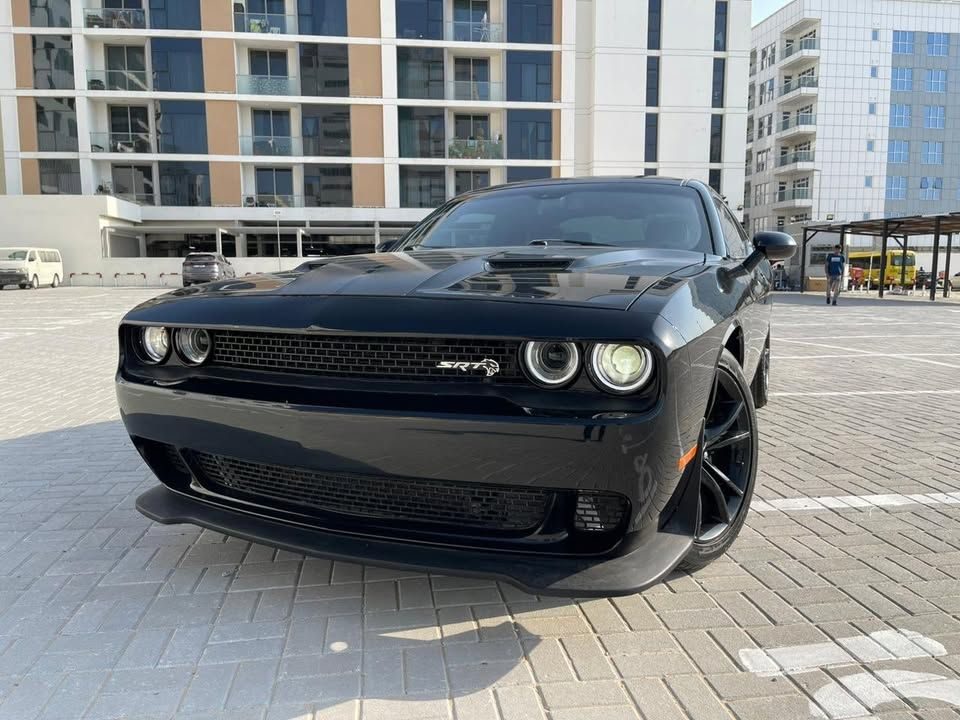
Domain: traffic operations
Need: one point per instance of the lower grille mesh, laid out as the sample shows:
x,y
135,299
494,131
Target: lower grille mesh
x,y
489,507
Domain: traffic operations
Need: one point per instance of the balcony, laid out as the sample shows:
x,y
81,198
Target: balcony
x,y
118,80
797,125
798,88
464,149
473,90
805,49
799,161
119,18
267,85
273,145
138,198
267,200
795,198
466,31
121,142
265,23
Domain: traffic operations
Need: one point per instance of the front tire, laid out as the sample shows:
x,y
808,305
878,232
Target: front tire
x,y
728,467
760,387
35,283
56,282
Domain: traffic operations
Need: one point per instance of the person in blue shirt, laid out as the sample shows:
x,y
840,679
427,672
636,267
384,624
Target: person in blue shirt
x,y
833,268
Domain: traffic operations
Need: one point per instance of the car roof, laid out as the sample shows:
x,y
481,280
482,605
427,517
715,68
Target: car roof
x,y
594,179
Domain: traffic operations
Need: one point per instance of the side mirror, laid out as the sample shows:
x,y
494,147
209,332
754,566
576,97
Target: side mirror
x,y
775,246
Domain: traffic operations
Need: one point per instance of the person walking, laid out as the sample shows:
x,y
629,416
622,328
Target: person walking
x,y
833,268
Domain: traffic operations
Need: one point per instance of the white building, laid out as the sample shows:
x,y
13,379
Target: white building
x,y
274,129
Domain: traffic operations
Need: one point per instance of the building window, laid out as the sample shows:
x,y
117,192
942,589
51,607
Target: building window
x,y
422,187
471,79
871,108
874,34
420,73
422,132
269,63
896,187
52,62
530,21
328,185
59,177
938,44
874,71
716,138
654,22
324,71
902,42
182,127
177,64
129,129
720,26
937,81
420,19
868,181
521,174
50,13
714,179
184,183
931,188
56,125
175,14
871,144
274,187
932,153
900,115
719,73
902,78
898,152
768,56
271,134
326,129
322,17
529,76
934,117
133,182
651,139
529,135
126,69
467,180
653,81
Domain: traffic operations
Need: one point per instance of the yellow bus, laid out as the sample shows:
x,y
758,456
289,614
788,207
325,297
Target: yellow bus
x,y
869,262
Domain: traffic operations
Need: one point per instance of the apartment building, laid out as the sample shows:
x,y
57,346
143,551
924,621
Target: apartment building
x,y
854,112
283,128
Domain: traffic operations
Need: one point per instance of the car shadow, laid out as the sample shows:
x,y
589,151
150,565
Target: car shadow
x,y
855,299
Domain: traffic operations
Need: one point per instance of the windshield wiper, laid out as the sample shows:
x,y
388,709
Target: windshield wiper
x,y
545,242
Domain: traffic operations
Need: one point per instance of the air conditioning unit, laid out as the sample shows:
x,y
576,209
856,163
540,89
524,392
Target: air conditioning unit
x,y
249,201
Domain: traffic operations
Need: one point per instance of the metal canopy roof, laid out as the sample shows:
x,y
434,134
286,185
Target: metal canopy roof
x,y
907,225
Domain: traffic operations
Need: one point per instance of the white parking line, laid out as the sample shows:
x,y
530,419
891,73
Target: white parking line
x,y
848,502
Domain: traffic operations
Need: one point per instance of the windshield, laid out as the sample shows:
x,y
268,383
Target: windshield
x,y
10,254
620,214
897,260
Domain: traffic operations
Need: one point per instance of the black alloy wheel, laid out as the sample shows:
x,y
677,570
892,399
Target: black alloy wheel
x,y
729,464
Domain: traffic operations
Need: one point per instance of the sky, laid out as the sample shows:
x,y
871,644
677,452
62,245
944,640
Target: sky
x,y
762,9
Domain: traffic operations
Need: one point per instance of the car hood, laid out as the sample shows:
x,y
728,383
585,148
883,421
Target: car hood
x,y
610,277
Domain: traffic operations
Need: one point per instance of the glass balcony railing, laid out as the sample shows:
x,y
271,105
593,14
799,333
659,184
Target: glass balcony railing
x,y
270,145
325,146
804,120
121,18
139,198
797,83
794,194
800,156
470,90
272,200
122,80
265,23
462,148
121,142
474,31
805,44
267,85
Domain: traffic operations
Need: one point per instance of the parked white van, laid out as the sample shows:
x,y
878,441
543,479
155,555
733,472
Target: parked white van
x,y
30,267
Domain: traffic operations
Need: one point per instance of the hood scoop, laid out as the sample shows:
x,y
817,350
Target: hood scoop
x,y
506,263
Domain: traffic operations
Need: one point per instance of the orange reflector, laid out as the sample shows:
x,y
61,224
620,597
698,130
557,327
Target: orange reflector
x,y
686,458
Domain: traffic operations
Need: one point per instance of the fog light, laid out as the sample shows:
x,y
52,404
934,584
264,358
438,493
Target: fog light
x,y
599,512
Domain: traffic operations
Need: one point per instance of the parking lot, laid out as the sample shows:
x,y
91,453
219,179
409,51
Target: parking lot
x,y
841,599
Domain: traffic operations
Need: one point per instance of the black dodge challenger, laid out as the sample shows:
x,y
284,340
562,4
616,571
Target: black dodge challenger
x,y
551,383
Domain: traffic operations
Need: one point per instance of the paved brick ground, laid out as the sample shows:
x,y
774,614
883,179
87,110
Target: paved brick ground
x,y
837,611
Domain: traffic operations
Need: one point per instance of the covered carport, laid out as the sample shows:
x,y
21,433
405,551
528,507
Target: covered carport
x,y
898,229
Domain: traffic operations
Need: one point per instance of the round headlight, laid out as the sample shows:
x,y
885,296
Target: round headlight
x,y
551,364
155,342
193,345
620,369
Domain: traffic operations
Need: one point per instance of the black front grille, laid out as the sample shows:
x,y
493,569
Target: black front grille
x,y
367,357
599,512
487,507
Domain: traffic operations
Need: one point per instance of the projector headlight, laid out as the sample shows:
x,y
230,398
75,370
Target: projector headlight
x,y
155,344
551,364
193,345
620,369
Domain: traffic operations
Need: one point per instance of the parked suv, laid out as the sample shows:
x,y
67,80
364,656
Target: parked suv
x,y
204,267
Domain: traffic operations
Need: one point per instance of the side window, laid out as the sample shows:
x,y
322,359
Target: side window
x,y
32,257
733,234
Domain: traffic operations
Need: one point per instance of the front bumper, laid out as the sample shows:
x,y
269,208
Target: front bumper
x,y
634,456
9,278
